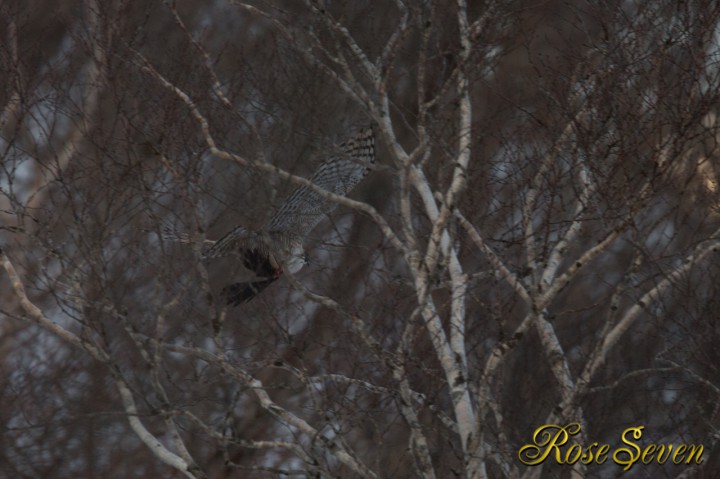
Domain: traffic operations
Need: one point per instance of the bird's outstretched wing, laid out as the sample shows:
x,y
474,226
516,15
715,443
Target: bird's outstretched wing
x,y
169,233
239,238
240,241
304,208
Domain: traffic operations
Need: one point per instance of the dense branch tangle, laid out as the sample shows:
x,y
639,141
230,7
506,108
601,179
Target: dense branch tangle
x,y
545,283
451,351
534,213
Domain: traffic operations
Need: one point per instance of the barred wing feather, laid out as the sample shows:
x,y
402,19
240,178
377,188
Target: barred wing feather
x,y
237,240
304,208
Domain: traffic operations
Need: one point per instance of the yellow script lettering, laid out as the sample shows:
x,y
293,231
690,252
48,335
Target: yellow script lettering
x,y
692,448
546,440
602,454
631,458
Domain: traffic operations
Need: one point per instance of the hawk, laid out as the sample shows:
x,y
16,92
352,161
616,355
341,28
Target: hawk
x,y
278,247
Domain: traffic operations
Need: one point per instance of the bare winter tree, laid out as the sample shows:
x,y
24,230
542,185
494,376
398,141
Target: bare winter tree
x,y
535,245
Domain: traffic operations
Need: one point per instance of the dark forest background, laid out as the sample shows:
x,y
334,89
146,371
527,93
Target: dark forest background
x,y
538,243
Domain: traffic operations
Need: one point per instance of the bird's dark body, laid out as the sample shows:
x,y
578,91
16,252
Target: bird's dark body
x,y
259,262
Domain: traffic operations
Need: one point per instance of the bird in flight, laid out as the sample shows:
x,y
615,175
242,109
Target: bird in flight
x,y
278,247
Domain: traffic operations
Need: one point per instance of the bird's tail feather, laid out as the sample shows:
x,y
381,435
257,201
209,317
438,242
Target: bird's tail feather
x,y
238,293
